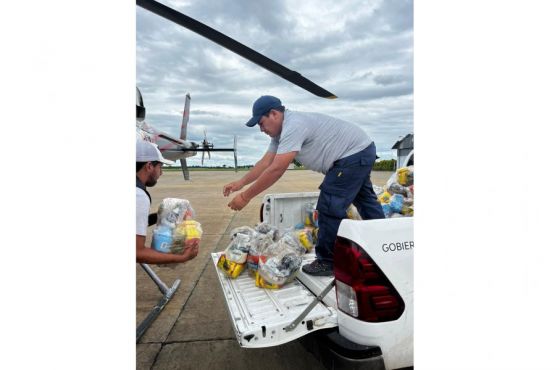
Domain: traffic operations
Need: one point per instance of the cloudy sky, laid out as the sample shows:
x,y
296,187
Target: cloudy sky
x,y
362,51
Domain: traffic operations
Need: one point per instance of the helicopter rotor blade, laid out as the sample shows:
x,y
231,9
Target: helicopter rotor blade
x,y
235,46
186,113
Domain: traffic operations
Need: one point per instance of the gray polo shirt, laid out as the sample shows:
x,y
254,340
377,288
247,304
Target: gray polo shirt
x,y
319,139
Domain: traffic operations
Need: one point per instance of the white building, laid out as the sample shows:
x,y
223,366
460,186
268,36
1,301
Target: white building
x,y
403,146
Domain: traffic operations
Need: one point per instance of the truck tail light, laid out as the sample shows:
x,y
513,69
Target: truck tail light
x,y
362,290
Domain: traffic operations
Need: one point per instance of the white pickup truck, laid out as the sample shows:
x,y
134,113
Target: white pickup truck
x,y
365,322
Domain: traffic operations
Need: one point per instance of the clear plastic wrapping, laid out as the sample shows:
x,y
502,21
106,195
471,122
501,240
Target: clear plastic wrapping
x,y
175,226
268,229
238,248
260,243
186,230
173,211
405,175
310,215
280,261
245,230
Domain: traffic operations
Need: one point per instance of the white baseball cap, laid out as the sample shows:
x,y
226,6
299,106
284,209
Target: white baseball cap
x,y
148,152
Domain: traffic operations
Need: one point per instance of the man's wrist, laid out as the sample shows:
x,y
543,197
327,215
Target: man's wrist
x,y
244,197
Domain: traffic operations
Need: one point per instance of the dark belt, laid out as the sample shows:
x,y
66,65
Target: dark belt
x,y
353,157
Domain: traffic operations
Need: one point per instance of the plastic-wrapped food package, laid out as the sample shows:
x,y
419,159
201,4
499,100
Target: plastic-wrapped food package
x,y
261,242
234,259
280,268
280,262
310,215
238,248
173,211
305,238
175,225
405,175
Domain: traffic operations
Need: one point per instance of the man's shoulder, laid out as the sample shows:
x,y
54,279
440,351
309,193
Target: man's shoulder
x,y
141,195
295,120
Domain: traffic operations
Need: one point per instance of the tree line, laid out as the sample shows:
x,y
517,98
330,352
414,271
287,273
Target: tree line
x,y
384,165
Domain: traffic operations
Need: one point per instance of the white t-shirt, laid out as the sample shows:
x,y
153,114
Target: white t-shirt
x,y
142,212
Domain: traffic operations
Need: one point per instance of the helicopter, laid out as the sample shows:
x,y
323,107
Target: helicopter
x,y
173,148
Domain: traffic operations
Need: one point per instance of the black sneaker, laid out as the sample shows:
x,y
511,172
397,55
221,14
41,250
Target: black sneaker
x,y
318,268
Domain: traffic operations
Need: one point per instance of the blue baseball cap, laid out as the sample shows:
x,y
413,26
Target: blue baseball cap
x,y
262,106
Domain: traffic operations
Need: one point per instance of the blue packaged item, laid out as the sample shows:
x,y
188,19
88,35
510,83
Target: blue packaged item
x,y
162,240
396,203
387,209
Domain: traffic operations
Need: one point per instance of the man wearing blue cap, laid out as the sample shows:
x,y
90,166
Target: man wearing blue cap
x,y
339,149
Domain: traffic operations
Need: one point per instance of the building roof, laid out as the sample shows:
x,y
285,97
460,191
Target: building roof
x,y
406,142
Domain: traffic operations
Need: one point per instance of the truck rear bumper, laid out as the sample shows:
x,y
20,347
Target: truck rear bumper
x,y
336,352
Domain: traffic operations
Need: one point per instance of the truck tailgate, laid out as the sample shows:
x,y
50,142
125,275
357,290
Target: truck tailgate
x,y
260,316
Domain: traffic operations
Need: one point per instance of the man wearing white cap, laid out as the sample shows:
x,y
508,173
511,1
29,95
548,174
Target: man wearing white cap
x,y
148,170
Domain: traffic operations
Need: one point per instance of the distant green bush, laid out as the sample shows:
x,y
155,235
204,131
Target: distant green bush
x,y
385,165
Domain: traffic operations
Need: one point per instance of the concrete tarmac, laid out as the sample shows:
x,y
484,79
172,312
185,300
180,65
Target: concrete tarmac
x,y
194,330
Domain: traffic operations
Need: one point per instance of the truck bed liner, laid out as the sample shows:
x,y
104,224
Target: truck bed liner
x,y
260,316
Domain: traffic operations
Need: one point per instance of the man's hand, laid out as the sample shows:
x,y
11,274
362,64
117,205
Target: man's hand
x,y
239,202
232,187
191,250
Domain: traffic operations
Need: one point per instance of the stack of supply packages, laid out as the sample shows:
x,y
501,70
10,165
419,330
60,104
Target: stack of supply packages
x,y
311,219
175,226
272,258
397,196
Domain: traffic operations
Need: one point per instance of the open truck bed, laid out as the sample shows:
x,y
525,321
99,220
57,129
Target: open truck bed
x,y
270,317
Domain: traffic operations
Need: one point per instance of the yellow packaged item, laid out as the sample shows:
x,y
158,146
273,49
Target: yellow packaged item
x,y
262,283
231,269
385,197
403,176
191,229
305,237
407,211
